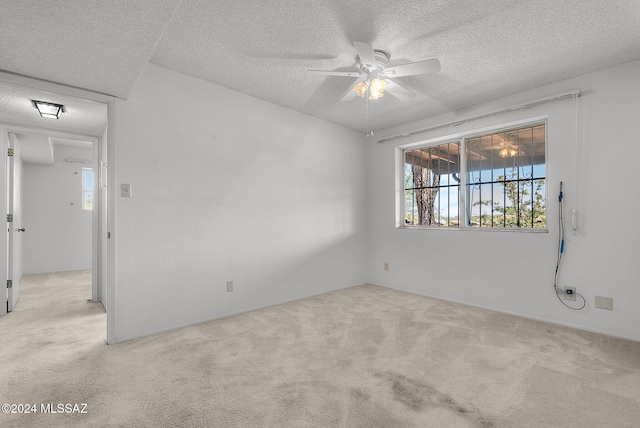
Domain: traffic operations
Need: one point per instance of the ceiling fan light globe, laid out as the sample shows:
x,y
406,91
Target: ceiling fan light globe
x,y
376,89
507,152
361,89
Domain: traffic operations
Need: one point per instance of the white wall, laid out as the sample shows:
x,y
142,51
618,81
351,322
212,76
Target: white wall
x,y
227,187
58,231
513,271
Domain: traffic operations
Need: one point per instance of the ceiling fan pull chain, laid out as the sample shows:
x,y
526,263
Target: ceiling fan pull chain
x,y
369,133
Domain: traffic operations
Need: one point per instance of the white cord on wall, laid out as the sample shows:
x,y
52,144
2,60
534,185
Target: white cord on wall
x,y
575,166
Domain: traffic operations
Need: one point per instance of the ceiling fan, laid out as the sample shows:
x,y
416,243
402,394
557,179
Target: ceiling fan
x,y
374,77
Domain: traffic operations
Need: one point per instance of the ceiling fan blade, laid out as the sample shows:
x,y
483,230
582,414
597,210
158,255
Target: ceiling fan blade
x,y
398,91
351,94
335,73
366,54
411,69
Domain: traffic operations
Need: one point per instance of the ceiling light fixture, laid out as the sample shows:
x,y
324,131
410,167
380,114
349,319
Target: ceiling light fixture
x,y
48,110
507,153
374,88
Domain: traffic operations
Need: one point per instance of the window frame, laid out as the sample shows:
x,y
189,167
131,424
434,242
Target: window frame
x,y
462,138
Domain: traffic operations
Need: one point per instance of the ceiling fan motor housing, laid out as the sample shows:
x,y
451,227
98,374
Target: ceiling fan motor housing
x,y
382,59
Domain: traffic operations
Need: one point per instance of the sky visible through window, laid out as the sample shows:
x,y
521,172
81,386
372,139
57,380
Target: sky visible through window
x,y
87,189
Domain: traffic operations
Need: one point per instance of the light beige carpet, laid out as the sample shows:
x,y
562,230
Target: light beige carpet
x,y
362,357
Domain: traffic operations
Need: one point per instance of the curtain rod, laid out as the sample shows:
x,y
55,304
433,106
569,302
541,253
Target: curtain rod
x,y
570,94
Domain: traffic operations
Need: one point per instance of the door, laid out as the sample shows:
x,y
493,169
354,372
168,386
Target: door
x,y
13,284
4,302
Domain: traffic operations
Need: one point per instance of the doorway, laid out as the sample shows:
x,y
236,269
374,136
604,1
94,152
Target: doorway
x,y
84,118
55,193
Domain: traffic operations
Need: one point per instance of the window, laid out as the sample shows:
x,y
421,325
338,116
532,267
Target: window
x,y
87,189
432,185
503,175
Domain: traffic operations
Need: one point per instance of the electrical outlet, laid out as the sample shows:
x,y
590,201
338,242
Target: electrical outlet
x,y
386,266
229,286
569,293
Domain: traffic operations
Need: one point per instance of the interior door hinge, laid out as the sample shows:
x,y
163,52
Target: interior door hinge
x,y
9,283
9,218
9,152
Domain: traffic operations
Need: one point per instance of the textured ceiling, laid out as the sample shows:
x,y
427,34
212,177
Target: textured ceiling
x,y
97,45
80,116
487,49
39,148
35,148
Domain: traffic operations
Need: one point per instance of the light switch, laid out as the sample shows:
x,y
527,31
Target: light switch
x,y
125,190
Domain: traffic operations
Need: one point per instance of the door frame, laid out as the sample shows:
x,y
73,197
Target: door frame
x,y
107,256
99,218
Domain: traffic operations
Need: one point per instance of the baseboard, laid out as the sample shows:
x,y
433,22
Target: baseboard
x,y
533,318
226,315
57,271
